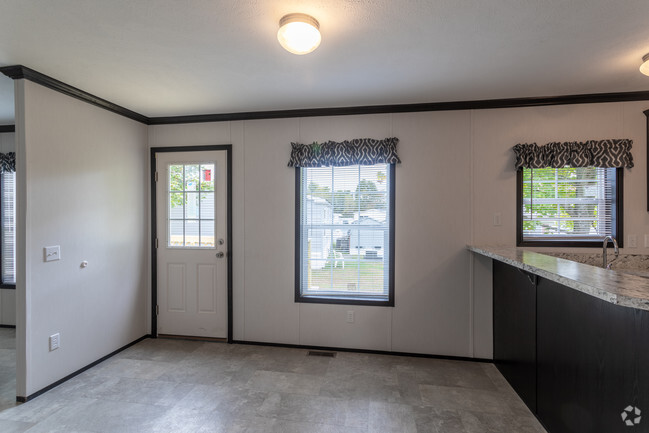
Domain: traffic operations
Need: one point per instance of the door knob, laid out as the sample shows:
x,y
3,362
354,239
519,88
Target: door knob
x,y
220,255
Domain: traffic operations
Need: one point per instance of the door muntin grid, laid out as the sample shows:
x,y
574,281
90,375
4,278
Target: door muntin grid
x,y
191,205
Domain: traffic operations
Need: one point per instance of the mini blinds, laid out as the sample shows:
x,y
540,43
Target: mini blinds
x,y
344,232
8,229
569,203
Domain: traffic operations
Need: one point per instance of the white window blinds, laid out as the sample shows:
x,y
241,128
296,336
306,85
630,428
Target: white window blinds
x,y
570,203
8,229
344,237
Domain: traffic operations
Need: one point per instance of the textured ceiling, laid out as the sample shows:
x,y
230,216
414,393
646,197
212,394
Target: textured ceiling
x,y
181,57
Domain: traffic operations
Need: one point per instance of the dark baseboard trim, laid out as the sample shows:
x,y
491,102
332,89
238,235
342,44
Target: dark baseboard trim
x,y
19,71
21,399
8,326
7,128
374,352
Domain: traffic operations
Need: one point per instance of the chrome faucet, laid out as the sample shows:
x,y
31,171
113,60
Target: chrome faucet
x,y
604,256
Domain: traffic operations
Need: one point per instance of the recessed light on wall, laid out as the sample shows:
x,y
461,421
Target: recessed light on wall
x,y
299,33
644,68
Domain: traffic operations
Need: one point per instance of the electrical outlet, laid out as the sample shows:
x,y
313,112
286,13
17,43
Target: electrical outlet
x,y
350,317
633,241
497,219
55,341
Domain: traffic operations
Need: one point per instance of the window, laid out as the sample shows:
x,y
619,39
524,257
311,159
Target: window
x,y
570,206
8,228
345,234
191,206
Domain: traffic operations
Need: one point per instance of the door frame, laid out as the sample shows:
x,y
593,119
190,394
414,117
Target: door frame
x,y
154,254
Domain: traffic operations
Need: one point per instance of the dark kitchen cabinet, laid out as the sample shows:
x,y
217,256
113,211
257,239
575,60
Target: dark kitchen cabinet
x,y
514,328
592,362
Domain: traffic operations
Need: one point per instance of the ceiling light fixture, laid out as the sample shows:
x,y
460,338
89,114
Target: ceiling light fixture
x,y
644,68
299,33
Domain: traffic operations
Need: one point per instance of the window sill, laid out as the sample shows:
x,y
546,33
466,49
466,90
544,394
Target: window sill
x,y
345,300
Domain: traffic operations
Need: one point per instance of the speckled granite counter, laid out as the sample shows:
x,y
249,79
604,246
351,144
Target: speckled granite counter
x,y
612,286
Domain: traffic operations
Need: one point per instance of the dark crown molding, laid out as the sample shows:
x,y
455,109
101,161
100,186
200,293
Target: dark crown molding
x,y
7,128
591,98
19,71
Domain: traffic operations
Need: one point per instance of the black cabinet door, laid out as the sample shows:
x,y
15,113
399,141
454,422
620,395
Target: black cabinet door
x,y
514,309
593,362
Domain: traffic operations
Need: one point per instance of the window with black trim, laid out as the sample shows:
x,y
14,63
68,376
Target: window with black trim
x,y
569,206
8,229
345,234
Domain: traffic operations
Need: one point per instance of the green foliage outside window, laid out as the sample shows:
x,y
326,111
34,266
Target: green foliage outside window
x,y
568,207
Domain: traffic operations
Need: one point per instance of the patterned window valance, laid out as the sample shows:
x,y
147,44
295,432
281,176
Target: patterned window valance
x,y
592,153
363,151
7,162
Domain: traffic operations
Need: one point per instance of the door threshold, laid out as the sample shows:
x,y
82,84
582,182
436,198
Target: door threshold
x,y
192,338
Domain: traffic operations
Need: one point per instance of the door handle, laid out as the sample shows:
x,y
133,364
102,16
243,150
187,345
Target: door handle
x,y
220,255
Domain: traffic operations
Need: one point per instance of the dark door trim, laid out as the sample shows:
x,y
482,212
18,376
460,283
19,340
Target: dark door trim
x,y
154,229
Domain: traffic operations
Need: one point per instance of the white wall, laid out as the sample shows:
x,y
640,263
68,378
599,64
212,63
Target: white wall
x,y
431,314
457,171
82,185
7,296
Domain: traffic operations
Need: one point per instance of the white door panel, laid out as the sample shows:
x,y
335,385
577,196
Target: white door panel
x,y
192,232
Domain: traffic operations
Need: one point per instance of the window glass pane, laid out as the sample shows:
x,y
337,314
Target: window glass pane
x,y
176,205
176,235
207,177
8,238
191,233
191,205
344,226
568,202
207,233
207,205
176,178
191,177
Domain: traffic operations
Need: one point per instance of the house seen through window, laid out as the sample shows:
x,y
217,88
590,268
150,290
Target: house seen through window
x,y
344,234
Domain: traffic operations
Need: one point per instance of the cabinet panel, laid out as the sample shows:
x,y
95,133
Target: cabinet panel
x,y
514,297
592,361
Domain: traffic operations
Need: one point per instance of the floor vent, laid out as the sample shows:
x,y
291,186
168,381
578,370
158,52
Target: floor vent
x,y
320,353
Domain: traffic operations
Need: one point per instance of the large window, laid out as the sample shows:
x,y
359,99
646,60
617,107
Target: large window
x,y
570,206
344,234
8,228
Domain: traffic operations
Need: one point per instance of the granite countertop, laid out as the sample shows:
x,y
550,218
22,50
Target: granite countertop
x,y
620,288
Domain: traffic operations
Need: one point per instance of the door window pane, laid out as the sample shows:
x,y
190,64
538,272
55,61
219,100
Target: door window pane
x,y
191,201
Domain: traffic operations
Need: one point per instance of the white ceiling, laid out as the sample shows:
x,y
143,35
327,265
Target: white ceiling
x,y
181,57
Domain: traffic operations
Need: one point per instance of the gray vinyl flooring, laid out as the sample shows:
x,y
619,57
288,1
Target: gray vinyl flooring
x,y
186,386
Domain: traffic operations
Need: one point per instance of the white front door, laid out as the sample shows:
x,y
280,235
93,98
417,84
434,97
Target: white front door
x,y
192,267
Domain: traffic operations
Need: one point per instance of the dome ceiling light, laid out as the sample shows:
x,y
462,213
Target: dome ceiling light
x,y
644,68
299,33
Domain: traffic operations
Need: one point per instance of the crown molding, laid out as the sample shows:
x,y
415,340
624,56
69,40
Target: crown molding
x,y
592,98
22,72
17,72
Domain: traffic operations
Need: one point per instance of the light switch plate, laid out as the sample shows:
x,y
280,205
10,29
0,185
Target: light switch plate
x,y
55,341
52,253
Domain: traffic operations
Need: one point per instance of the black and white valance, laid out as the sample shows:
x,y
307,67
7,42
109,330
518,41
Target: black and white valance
x,y
362,151
592,153
7,162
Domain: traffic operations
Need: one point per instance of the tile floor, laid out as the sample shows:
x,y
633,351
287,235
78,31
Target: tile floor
x,y
187,386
